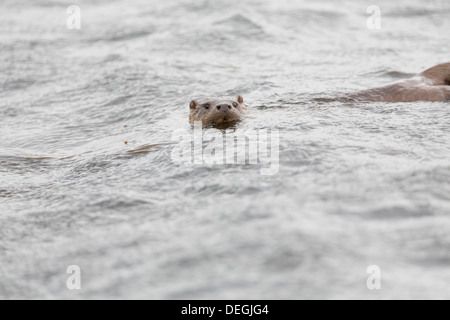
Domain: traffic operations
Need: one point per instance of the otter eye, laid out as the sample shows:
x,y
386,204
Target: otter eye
x,y
207,106
235,104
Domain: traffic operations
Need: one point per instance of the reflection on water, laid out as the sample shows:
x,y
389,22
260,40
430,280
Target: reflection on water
x,y
87,116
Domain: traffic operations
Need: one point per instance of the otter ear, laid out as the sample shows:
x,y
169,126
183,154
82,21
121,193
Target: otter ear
x,y
240,99
193,104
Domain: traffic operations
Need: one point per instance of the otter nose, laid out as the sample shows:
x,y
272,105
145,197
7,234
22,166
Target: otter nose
x,y
223,107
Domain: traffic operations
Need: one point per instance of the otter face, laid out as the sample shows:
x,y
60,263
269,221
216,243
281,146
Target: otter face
x,y
215,111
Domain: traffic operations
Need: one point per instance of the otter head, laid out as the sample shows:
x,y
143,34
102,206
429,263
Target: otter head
x,y
216,111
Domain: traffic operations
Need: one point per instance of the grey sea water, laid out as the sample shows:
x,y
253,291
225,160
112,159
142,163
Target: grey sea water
x,y
358,184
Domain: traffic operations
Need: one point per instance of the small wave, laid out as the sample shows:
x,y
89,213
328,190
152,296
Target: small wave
x,y
389,74
242,25
18,84
121,35
117,101
239,19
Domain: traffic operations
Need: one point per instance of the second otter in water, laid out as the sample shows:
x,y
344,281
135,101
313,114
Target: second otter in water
x,y
431,85
217,110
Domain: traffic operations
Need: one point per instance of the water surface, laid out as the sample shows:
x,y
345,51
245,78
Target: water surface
x,y
358,185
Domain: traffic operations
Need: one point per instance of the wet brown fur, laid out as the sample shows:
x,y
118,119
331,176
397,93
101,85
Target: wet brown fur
x,y
217,110
431,85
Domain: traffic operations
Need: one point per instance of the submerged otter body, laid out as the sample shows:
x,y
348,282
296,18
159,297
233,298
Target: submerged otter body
x,y
431,85
217,110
